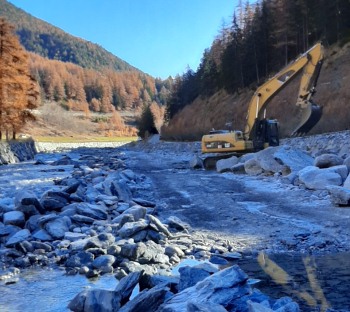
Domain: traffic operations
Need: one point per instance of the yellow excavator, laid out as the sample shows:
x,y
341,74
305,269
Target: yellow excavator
x,y
260,132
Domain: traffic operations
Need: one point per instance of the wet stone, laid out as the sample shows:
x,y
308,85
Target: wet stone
x,y
18,237
103,261
218,260
80,259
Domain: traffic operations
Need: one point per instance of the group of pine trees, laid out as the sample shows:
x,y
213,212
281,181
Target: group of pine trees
x,y
18,89
262,38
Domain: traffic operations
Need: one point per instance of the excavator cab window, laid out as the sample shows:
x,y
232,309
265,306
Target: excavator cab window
x,y
239,136
272,136
265,131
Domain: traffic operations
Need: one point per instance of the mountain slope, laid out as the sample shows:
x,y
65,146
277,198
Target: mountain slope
x,y
48,41
216,111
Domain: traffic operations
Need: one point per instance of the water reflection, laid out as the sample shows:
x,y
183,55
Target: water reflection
x,y
47,290
316,283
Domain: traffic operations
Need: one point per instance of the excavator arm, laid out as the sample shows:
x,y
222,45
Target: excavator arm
x,y
310,62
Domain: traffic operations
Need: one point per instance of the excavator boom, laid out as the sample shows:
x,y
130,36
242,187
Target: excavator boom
x,y
310,62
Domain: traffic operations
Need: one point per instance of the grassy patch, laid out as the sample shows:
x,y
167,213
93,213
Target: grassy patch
x,y
82,139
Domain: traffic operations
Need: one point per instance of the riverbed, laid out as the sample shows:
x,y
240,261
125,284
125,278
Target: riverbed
x,y
316,282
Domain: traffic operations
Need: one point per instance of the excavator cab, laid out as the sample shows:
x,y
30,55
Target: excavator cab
x,y
265,133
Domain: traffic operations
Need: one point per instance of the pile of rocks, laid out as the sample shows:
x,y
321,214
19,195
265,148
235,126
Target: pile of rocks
x,y
327,172
92,222
51,147
327,143
201,288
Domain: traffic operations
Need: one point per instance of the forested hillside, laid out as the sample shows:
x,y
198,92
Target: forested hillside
x,y
81,76
82,89
262,38
53,43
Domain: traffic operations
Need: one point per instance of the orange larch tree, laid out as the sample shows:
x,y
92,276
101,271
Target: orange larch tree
x,y
18,89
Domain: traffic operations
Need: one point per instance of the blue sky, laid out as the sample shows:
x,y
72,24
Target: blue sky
x,y
159,37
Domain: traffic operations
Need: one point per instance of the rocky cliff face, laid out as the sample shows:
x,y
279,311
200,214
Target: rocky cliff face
x,y
13,151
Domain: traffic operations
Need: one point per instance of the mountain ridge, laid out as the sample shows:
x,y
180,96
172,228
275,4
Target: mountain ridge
x,y
52,42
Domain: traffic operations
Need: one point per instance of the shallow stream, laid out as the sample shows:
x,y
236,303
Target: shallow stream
x,y
47,290
316,283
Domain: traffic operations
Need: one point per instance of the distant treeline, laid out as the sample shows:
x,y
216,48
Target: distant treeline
x,y
103,91
261,39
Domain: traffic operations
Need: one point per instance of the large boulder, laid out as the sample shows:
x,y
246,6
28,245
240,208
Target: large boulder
x,y
224,165
223,288
327,160
18,237
28,203
279,159
82,258
57,227
339,195
342,170
103,261
190,276
121,189
137,211
54,200
295,159
147,300
93,300
315,178
347,182
252,167
97,212
14,218
131,228
102,241
196,162
267,161
133,251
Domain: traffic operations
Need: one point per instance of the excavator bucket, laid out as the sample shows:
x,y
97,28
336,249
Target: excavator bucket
x,y
309,118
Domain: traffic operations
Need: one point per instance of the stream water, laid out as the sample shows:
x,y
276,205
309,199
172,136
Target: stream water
x,y
47,290
316,283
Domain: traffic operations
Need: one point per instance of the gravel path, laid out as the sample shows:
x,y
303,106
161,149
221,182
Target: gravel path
x,y
255,213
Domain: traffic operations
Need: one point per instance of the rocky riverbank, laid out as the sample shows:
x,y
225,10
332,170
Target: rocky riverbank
x,y
102,218
49,147
318,163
